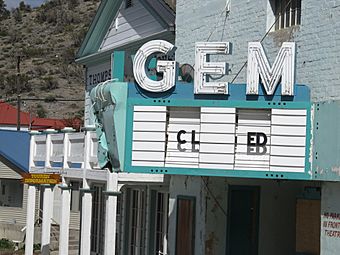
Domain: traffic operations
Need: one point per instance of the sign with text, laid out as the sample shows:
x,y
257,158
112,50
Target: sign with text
x,y
219,138
51,179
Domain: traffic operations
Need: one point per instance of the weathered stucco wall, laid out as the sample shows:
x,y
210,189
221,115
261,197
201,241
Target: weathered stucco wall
x,y
330,218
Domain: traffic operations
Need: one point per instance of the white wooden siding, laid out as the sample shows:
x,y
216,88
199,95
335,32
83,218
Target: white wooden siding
x,y
149,142
251,120
289,138
13,215
217,147
8,173
188,119
130,24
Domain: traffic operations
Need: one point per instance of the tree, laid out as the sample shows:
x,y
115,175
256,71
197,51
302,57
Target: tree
x,y
4,13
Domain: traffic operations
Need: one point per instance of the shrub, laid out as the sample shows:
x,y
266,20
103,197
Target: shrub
x,y
17,83
41,112
50,99
3,33
17,15
33,52
6,244
50,83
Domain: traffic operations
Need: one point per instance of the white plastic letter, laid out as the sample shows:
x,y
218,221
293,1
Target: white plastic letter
x,y
258,65
204,68
167,67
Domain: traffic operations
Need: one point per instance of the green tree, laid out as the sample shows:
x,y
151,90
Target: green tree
x,y
4,13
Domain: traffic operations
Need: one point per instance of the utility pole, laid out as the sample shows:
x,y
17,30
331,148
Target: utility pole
x,y
18,112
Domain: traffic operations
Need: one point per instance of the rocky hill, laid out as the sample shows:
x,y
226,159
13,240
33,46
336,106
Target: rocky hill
x,y
37,49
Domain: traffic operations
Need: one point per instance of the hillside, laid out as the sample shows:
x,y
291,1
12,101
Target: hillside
x,y
37,49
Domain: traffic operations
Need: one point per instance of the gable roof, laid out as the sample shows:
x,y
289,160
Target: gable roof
x,y
107,12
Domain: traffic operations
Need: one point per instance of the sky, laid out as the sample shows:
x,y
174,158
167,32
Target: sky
x,y
14,3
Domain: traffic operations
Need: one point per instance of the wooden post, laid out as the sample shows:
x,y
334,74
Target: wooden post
x,y
18,112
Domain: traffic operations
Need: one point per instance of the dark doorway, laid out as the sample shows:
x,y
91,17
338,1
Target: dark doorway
x,y
243,219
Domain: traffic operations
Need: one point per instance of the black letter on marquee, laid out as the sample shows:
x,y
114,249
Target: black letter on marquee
x,y
257,147
180,141
193,142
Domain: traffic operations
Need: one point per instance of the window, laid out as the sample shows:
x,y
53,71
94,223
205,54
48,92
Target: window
x,y
128,4
185,233
11,193
287,13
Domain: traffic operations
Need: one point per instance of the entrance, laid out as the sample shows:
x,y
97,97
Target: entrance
x,y
243,220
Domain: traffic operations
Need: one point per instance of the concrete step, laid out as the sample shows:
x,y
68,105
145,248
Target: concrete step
x,y
70,252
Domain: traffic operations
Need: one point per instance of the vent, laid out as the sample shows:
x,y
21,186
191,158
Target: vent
x,y
128,3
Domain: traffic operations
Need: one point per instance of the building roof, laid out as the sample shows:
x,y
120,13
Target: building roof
x,y
14,149
106,14
8,117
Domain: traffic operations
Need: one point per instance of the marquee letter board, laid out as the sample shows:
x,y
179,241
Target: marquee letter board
x,y
236,135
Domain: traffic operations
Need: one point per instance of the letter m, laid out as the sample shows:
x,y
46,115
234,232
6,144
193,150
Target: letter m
x,y
258,65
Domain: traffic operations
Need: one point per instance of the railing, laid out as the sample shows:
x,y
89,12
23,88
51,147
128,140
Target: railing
x,y
64,150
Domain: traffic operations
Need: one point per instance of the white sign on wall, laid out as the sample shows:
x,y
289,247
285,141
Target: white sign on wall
x,y
94,75
220,138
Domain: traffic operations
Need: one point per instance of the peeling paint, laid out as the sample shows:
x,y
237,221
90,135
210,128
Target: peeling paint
x,y
210,243
336,169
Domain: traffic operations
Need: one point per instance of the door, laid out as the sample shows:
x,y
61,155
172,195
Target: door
x,y
243,218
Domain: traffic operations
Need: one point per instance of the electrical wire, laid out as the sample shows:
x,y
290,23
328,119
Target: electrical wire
x,y
265,35
213,196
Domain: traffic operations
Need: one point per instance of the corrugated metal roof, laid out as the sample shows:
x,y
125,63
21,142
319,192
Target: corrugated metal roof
x,y
14,149
8,117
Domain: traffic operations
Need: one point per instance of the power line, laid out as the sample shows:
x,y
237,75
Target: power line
x,y
213,196
52,99
265,35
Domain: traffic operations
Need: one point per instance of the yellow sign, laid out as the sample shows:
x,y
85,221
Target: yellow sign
x,y
41,179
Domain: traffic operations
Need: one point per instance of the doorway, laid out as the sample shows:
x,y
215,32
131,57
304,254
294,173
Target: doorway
x,y
243,220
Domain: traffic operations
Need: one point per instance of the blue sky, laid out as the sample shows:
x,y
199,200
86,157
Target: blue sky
x,y
14,3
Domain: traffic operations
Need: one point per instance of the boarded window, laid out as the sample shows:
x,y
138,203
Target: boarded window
x,y
185,234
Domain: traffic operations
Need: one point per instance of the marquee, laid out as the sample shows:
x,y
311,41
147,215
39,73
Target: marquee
x,y
258,129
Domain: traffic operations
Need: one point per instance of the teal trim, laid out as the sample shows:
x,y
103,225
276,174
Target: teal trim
x,y
326,141
219,103
306,175
118,64
107,11
110,115
119,93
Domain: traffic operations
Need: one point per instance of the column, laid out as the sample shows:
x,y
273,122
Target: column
x,y
86,219
47,219
65,219
111,213
30,220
